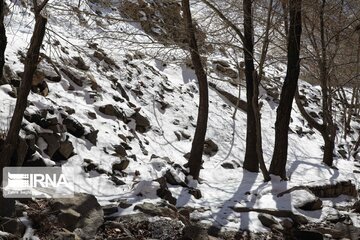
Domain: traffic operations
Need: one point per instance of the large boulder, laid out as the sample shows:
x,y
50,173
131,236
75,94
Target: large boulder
x,y
81,214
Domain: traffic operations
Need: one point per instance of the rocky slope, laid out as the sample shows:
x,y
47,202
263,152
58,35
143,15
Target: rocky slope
x,y
124,121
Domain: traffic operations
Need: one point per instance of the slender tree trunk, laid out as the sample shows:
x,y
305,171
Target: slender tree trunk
x,y
251,162
257,117
197,148
278,163
3,40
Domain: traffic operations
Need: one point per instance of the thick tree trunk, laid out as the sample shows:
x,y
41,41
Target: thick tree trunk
x,y
3,40
279,159
251,162
197,148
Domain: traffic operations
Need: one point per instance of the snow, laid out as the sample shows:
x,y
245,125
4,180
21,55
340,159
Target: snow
x,y
221,188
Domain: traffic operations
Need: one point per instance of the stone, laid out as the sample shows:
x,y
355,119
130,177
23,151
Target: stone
x,y
195,232
120,150
92,136
267,220
227,165
155,210
356,206
111,110
210,147
66,149
306,234
35,161
13,226
74,127
91,214
120,166
313,205
110,209
142,123
80,63
73,76
53,143
117,181
195,192
69,218
92,115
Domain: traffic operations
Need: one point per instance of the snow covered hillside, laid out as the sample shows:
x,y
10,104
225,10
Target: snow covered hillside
x,y
124,121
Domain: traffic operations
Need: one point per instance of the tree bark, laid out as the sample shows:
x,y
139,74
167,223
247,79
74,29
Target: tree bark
x,y
278,163
197,148
31,62
251,162
3,40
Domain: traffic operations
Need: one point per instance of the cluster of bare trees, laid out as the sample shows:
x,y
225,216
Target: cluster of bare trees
x,y
326,27
328,59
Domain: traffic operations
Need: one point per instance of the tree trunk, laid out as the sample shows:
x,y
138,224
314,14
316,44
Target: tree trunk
x,y
279,159
31,62
251,162
257,117
3,40
328,149
197,148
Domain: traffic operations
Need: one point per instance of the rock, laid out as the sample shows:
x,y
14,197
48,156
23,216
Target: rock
x,y
210,147
66,235
91,214
65,151
142,123
80,63
74,127
111,110
92,136
227,71
120,150
308,235
195,232
195,192
73,76
348,231
124,204
69,217
267,220
166,194
227,165
92,115
53,143
13,226
120,166
343,153
35,161
356,206
122,91
110,209
287,223
313,205
117,181
154,210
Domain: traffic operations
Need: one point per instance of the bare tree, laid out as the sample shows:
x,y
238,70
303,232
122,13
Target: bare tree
x,y
278,163
3,40
197,148
30,65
